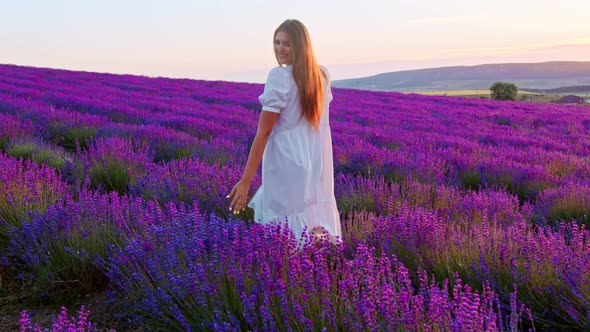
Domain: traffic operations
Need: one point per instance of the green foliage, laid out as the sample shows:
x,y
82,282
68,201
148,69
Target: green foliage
x,y
69,137
504,91
37,152
110,175
12,214
72,260
168,151
3,142
570,203
358,193
577,211
79,136
504,122
111,164
470,179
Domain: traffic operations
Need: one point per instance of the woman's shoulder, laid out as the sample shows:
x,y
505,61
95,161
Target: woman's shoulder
x,y
279,74
280,70
325,71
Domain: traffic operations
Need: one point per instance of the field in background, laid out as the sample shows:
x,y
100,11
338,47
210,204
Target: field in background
x,y
523,95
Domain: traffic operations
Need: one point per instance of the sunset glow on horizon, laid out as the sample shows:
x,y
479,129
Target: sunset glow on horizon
x,y
232,40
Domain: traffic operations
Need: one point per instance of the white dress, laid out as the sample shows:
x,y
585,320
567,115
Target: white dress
x,y
297,164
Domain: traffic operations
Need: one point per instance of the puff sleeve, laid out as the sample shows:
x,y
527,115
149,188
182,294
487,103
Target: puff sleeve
x,y
329,96
274,97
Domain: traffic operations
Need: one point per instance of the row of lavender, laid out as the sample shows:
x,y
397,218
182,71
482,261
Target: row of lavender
x,y
427,145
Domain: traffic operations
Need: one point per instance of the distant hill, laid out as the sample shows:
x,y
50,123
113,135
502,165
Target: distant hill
x,y
545,75
562,90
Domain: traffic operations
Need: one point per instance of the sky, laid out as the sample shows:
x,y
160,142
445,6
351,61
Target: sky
x,y
231,40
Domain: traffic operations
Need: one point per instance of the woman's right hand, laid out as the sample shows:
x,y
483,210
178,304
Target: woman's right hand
x,y
238,196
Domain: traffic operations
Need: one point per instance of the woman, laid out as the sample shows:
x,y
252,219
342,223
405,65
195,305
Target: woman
x,y
294,142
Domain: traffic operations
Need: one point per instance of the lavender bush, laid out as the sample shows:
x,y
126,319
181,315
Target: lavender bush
x,y
114,163
39,151
61,251
25,188
61,323
13,128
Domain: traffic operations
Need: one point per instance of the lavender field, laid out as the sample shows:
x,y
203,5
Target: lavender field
x,y
457,214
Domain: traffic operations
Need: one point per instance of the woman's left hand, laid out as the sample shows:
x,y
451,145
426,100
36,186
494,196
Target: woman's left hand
x,y
238,195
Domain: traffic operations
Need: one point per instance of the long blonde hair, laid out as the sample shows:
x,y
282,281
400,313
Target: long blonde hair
x,y
306,71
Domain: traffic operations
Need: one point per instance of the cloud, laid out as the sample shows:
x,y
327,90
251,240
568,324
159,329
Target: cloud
x,y
444,20
557,50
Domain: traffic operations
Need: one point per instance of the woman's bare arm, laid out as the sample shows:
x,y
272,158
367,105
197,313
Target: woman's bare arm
x,y
240,190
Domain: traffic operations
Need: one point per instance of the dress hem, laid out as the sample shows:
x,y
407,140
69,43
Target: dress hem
x,y
321,214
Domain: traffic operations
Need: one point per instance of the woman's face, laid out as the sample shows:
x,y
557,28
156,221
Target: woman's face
x,y
283,49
